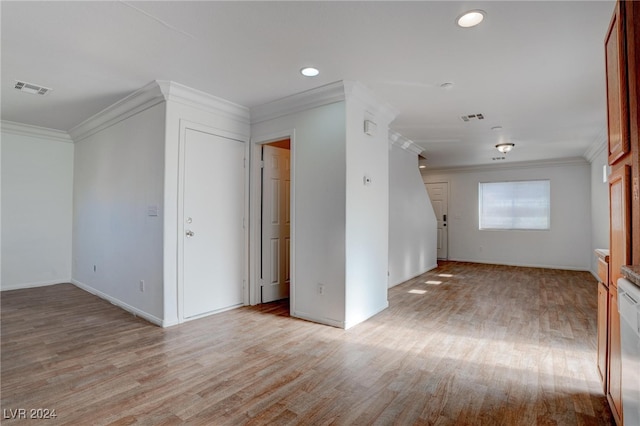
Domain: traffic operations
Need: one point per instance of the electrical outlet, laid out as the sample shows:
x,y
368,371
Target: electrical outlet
x,y
142,286
321,289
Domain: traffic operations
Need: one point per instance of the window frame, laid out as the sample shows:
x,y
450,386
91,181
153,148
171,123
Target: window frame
x,y
481,199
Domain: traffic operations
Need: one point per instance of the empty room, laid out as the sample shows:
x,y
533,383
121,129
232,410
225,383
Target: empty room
x,y
319,212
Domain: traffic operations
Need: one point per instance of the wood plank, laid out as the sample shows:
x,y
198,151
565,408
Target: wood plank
x,y
488,345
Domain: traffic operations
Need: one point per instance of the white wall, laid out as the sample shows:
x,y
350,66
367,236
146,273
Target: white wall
x,y
412,222
367,209
118,175
599,207
37,179
319,162
566,246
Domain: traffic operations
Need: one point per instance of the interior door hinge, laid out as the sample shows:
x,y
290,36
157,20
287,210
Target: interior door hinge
x,y
262,164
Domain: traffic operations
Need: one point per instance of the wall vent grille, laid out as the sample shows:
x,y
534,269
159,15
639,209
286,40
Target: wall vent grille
x,y
31,88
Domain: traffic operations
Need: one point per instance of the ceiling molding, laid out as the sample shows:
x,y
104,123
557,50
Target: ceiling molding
x,y
374,106
13,128
323,95
176,92
569,161
596,148
396,139
152,94
141,99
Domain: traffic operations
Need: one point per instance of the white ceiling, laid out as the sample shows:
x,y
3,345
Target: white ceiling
x,y
534,68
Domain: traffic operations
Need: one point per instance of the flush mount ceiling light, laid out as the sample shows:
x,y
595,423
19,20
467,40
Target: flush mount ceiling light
x,y
309,71
505,147
447,85
471,18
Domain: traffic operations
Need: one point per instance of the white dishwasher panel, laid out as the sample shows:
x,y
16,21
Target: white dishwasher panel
x,y
629,309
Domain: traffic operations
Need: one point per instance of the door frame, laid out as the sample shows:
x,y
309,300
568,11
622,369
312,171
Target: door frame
x,y
255,224
448,215
190,125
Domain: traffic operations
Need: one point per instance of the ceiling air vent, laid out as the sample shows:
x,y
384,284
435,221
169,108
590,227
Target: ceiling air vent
x,y
471,117
31,88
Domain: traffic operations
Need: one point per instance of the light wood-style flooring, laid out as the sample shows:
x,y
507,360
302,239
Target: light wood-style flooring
x,y
464,344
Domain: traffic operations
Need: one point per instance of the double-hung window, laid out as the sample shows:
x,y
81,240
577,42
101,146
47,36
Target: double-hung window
x,y
521,205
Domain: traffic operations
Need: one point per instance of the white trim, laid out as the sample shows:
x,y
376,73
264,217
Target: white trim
x,y
255,222
139,100
595,150
152,94
319,320
33,285
429,268
358,91
13,128
524,265
323,95
119,303
396,139
179,93
569,161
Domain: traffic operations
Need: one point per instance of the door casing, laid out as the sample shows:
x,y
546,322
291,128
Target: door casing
x,y
256,219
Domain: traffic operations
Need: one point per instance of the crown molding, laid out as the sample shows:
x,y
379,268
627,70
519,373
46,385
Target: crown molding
x,y
396,139
323,95
376,107
152,94
139,100
599,145
569,161
13,128
176,92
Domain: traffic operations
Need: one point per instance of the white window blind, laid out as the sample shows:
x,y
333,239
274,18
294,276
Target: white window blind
x,y
515,205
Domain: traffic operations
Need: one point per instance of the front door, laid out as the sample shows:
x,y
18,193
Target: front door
x,y
213,249
276,241
439,195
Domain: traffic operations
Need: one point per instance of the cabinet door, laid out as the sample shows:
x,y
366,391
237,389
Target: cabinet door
x,y
603,325
614,374
620,230
617,102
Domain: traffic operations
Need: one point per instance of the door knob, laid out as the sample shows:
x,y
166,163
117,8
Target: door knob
x,y
190,233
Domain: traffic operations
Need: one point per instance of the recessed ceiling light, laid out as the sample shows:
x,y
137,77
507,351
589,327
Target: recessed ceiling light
x,y
496,128
309,72
422,166
471,18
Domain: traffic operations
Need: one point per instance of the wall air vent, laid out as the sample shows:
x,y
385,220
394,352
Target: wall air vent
x,y
472,117
31,88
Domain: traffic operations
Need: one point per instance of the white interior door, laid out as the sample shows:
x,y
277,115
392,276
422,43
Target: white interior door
x,y
213,249
439,195
276,218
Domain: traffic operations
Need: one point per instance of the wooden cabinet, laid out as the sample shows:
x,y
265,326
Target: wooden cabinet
x,y
617,103
622,56
603,334
619,255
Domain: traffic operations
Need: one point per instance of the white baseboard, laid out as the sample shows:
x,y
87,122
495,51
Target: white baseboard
x,y
429,268
349,324
319,320
524,265
135,311
36,284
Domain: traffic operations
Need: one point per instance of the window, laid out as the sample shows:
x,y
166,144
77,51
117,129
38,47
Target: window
x,y
515,205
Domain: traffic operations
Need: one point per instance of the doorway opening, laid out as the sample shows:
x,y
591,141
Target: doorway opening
x,y
275,221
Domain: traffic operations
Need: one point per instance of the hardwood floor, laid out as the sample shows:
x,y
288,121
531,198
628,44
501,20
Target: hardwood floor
x,y
462,344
